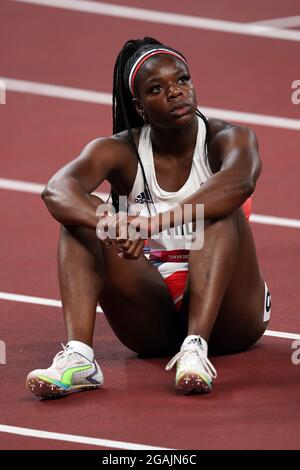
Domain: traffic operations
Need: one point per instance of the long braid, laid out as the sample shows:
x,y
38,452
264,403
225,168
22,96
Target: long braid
x,y
125,116
207,136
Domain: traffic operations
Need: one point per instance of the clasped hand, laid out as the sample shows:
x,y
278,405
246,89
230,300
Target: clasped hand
x,y
126,233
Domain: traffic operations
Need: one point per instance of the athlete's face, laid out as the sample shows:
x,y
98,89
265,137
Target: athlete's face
x,y
164,92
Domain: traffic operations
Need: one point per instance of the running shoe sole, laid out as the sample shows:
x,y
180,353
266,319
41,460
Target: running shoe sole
x,y
44,389
192,383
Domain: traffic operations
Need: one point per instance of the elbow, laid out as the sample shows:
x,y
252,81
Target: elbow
x,y
49,194
246,189
45,193
249,183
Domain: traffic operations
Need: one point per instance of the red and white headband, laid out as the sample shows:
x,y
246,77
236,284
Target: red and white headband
x,y
145,56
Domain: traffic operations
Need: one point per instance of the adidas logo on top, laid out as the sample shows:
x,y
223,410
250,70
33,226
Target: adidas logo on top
x,y
143,197
195,340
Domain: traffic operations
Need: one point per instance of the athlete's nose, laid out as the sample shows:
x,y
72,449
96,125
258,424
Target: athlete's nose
x,y
174,91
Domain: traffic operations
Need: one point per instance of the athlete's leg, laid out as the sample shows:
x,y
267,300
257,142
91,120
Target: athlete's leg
x,y
132,293
224,301
225,289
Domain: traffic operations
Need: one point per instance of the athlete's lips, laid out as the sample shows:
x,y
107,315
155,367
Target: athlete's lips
x,y
179,105
180,109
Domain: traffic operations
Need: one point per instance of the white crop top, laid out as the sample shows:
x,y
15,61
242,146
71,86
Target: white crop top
x,y
164,200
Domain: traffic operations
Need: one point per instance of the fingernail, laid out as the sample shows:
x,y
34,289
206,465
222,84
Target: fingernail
x,y
121,255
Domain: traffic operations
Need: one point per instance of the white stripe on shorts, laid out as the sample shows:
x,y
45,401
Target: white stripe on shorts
x,y
267,306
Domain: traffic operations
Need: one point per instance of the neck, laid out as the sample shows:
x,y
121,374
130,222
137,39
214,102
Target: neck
x,y
174,141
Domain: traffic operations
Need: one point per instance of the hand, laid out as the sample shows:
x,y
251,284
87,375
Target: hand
x,y
129,249
127,233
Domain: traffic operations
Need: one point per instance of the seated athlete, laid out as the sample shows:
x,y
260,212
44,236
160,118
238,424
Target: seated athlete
x,y
164,297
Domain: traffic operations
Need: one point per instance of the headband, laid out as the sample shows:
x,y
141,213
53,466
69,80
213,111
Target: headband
x,y
145,56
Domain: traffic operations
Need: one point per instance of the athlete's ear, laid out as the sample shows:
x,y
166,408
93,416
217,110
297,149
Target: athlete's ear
x,y
139,108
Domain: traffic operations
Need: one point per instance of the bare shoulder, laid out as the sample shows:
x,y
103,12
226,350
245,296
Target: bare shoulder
x,y
111,154
216,126
104,158
224,136
114,158
221,130
113,148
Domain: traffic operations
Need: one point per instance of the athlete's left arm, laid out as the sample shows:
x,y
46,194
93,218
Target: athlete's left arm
x,y
233,152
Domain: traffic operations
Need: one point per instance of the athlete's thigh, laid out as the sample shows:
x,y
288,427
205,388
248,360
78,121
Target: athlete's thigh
x,y
240,321
138,305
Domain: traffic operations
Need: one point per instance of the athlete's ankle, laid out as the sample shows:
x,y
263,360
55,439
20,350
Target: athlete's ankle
x,y
81,348
199,339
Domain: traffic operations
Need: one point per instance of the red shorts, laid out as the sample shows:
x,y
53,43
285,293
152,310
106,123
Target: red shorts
x,y
176,283
173,265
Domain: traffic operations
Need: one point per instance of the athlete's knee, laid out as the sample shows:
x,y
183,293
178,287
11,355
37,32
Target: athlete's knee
x,y
224,221
85,236
96,200
218,230
77,231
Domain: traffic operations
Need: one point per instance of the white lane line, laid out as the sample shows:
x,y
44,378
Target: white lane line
x,y
23,186
57,303
29,299
175,19
57,91
93,441
287,22
89,96
282,334
36,188
252,118
33,188
278,221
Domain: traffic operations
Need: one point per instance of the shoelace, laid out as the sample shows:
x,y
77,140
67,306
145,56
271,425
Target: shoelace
x,y
188,354
61,357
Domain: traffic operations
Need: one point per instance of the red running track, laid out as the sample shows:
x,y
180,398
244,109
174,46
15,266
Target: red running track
x,y
255,401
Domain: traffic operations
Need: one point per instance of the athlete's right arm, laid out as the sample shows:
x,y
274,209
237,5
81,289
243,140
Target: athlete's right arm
x,y
67,193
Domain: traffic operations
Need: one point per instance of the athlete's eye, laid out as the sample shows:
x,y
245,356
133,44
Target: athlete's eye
x,y
155,89
184,79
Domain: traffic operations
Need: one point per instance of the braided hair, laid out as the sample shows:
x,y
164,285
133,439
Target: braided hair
x,y
124,114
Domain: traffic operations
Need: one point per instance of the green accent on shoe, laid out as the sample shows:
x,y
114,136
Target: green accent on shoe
x,y
53,381
68,375
66,380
